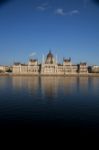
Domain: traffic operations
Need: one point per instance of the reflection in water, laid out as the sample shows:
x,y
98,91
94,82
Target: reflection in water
x,y
49,86
70,85
83,84
28,83
94,85
66,99
53,86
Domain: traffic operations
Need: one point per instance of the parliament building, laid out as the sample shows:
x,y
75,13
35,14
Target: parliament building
x,y
50,66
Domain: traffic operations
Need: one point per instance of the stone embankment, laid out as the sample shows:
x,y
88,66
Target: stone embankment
x,y
71,75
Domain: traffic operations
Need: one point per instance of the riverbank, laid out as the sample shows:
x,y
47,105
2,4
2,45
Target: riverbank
x,y
66,75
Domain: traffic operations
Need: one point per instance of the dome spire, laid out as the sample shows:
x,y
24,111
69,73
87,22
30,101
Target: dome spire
x,y
50,58
50,52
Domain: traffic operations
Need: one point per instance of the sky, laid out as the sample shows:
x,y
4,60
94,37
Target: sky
x,y
30,28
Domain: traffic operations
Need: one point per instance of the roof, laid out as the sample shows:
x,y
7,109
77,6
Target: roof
x,y
60,64
83,63
17,63
49,55
33,60
23,64
67,60
95,66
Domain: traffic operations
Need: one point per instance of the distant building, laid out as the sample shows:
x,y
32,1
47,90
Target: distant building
x,y
50,66
83,67
95,69
3,69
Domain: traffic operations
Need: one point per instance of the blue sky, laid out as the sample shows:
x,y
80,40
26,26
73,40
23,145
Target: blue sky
x,y
66,28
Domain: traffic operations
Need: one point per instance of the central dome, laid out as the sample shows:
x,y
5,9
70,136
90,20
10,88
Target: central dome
x,y
50,58
49,55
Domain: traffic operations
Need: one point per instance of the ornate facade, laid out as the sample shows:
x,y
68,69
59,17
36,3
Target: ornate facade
x,y
3,69
49,66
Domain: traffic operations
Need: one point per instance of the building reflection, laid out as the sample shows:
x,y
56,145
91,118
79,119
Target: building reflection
x,y
70,85
54,86
30,84
83,85
51,86
3,82
94,85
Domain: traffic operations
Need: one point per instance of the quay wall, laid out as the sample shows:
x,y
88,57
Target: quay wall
x,y
32,74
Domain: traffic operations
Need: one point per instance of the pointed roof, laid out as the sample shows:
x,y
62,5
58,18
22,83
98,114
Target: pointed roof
x,y
33,60
50,55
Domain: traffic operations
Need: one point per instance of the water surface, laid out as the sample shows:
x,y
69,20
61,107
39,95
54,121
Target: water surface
x,y
63,102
